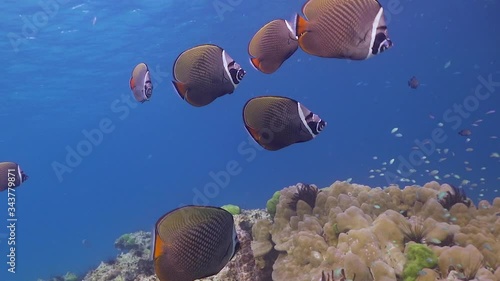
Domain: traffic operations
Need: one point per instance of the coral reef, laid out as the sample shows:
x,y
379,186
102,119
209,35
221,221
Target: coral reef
x,y
132,264
348,232
243,266
129,241
70,277
271,203
233,209
354,232
306,193
419,256
135,264
451,197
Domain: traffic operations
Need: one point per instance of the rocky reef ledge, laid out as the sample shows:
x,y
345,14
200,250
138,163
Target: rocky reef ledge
x,y
348,232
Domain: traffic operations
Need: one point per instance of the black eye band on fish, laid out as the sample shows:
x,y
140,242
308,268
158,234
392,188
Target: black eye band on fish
x,y
384,46
313,127
234,76
309,117
381,43
241,73
140,83
148,88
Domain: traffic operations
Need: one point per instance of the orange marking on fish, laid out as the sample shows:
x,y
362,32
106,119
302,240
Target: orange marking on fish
x,y
132,83
301,26
254,134
181,89
256,63
159,247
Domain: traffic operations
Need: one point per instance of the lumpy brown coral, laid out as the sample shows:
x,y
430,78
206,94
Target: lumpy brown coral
x,y
363,232
465,261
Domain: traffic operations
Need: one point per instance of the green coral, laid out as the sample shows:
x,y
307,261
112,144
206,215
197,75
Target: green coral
x,y
233,209
336,229
126,242
419,256
271,203
70,277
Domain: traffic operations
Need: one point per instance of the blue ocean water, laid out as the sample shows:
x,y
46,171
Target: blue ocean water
x,y
66,69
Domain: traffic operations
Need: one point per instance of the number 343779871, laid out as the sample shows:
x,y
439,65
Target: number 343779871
x,y
11,178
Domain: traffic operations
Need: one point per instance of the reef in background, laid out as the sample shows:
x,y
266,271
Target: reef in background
x,y
354,232
348,232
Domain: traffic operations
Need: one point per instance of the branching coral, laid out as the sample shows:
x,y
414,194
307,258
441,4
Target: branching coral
x,y
126,242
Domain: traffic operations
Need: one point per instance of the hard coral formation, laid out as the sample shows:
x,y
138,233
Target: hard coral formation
x,y
350,232
465,261
133,264
364,231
